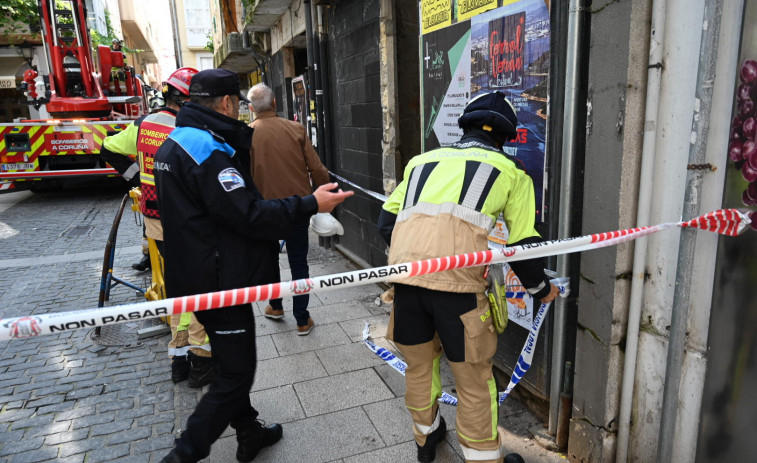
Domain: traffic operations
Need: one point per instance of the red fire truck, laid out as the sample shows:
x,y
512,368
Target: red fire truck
x,y
86,104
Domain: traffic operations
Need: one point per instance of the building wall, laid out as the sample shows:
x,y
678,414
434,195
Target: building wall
x,y
193,56
354,63
615,107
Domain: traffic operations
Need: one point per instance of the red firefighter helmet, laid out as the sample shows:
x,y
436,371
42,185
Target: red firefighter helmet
x,y
179,80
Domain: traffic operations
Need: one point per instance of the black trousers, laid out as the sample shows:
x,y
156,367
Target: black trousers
x,y
232,337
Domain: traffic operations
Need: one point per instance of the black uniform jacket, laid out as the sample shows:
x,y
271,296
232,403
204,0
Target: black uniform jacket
x,y
219,232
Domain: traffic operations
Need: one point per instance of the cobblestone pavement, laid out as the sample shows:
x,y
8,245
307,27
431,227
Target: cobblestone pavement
x,y
70,397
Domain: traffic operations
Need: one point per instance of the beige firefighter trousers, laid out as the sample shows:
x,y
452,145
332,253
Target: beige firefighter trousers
x,y
477,408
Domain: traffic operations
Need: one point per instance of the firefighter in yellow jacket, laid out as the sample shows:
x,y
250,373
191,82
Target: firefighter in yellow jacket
x,y
447,204
189,347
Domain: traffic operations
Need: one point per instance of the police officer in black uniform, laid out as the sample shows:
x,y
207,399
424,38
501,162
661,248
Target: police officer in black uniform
x,y
221,234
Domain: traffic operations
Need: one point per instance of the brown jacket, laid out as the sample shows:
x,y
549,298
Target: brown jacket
x,y
283,160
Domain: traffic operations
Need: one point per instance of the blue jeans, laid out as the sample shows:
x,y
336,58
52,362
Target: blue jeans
x,y
297,252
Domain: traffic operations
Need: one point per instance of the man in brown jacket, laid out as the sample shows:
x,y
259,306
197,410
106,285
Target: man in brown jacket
x,y
285,164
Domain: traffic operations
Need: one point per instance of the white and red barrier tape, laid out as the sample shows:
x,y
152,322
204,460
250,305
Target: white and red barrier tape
x,y
725,221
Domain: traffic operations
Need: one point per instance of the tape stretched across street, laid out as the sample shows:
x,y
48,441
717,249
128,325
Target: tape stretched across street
x,y
524,360
725,221
378,196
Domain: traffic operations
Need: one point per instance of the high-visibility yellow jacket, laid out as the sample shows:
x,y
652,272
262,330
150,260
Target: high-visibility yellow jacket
x,y
448,203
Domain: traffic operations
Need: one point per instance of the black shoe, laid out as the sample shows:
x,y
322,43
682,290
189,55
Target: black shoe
x,y
179,369
201,370
176,457
142,265
251,440
514,458
427,453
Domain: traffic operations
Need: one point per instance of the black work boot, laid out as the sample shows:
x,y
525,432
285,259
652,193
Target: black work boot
x,y
251,440
427,453
514,458
179,368
142,265
201,370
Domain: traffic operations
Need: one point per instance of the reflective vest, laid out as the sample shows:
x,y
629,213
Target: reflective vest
x,y
448,203
153,131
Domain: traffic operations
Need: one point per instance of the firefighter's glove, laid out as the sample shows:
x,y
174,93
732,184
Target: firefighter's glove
x,y
497,294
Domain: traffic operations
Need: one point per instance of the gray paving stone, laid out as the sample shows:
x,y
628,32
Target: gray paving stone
x,y
266,349
347,357
34,385
61,407
108,453
157,418
49,400
334,313
322,336
278,404
81,446
34,456
84,392
116,405
153,444
130,435
74,413
349,390
391,419
14,405
52,428
48,368
92,420
13,381
394,380
110,428
287,370
10,436
115,386
74,378
23,445
34,421
15,397
405,452
135,413
314,439
26,365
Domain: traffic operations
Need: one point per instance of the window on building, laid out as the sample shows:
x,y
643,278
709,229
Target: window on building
x,y
197,14
204,61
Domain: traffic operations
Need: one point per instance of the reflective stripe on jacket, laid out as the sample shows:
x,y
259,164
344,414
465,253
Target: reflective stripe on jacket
x,y
153,131
448,203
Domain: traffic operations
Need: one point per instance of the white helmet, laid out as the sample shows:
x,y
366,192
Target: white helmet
x,y
324,224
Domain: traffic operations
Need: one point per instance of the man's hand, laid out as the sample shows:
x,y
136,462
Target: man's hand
x,y
553,292
327,200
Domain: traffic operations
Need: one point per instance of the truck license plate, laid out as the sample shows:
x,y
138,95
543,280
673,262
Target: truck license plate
x,y
18,166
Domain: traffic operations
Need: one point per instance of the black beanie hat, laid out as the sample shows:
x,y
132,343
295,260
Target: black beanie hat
x,y
491,112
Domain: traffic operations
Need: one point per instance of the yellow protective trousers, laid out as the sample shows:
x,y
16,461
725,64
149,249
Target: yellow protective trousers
x,y
188,335
422,323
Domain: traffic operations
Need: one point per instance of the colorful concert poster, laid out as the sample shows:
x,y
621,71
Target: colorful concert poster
x,y
505,49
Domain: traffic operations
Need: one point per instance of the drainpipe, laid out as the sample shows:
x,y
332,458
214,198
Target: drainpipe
x,y
326,88
318,85
646,178
311,68
574,108
688,243
176,39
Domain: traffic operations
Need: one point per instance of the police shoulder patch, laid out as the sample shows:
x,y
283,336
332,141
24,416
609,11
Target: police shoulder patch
x,y
230,179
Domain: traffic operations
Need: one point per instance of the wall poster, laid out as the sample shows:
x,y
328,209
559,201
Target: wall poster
x,y
505,49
